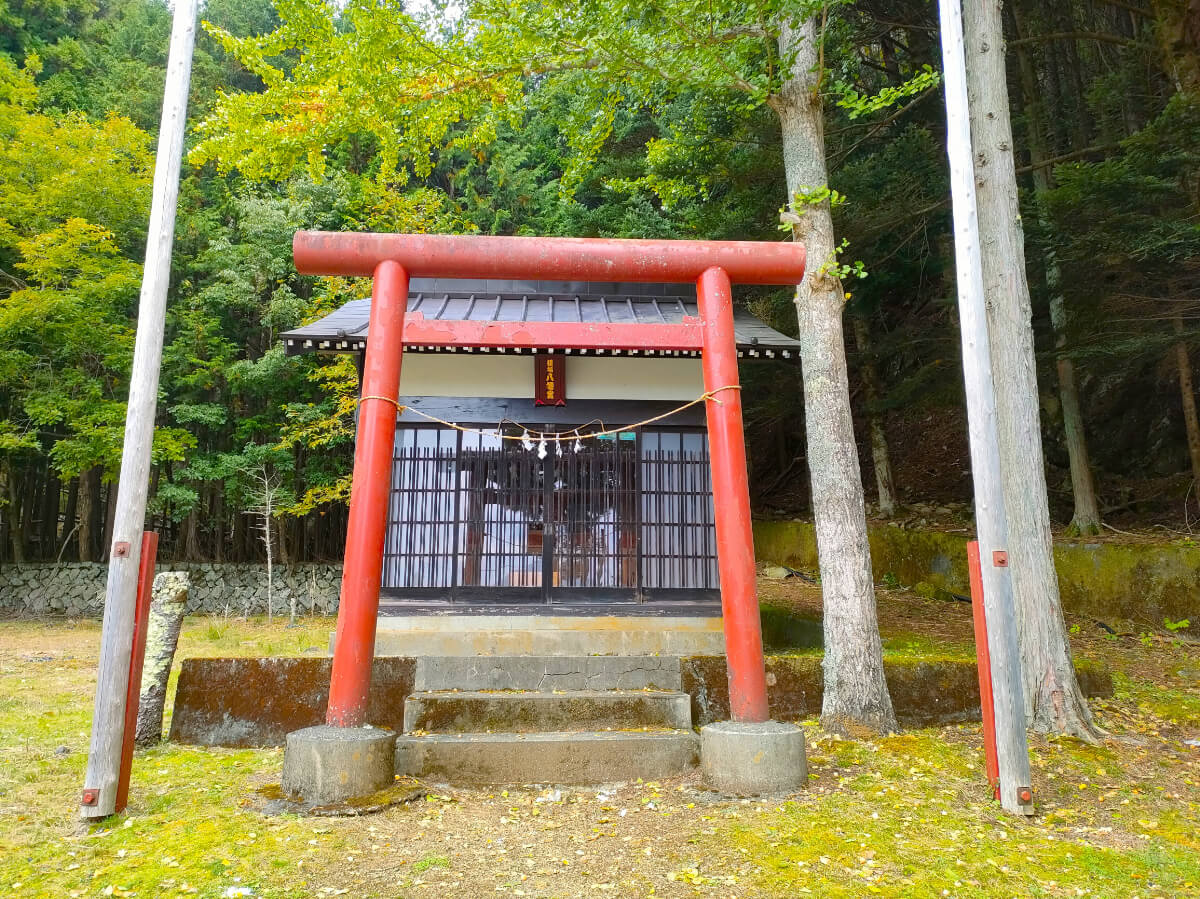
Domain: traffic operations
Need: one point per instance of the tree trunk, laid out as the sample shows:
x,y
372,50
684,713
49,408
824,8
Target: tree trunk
x,y
48,539
189,542
1178,25
1085,519
69,523
238,540
1188,395
30,501
16,535
88,509
875,417
856,693
110,512
219,524
270,567
162,636
1053,700
283,530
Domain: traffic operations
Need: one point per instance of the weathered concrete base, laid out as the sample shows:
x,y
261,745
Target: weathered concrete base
x,y
753,759
325,764
258,702
456,712
546,758
548,635
924,693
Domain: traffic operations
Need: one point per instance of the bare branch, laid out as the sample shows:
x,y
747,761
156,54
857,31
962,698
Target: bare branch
x,y
1102,36
879,126
1067,157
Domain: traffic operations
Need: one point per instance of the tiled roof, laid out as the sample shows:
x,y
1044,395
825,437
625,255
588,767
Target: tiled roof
x,y
345,330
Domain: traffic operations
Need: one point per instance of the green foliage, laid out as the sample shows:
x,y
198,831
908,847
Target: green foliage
x,y
858,104
1132,218
71,193
52,169
512,117
30,24
421,87
816,196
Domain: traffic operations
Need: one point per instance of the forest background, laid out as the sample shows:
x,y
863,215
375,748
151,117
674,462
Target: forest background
x,y
1107,134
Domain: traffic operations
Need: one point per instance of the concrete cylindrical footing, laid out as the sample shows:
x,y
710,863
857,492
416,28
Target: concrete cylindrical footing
x,y
752,759
326,764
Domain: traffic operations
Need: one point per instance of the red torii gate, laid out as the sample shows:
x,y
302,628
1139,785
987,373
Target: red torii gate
x,y
391,259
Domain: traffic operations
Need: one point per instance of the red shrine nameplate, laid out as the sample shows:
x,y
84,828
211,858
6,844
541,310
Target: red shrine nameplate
x,y
550,380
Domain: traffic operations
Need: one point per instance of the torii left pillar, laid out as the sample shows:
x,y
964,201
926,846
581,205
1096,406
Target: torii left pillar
x,y
346,758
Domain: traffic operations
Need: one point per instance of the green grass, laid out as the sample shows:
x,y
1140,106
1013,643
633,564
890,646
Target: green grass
x,y
911,645
430,861
185,833
901,818
1175,705
905,815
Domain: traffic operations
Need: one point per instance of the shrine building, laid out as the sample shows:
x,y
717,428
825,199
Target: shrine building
x,y
561,482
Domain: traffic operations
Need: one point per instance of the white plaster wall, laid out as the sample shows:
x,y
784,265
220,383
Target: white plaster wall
x,y
588,377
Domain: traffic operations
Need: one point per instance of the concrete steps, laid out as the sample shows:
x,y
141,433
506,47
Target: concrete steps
x,y
580,710
547,674
547,719
586,757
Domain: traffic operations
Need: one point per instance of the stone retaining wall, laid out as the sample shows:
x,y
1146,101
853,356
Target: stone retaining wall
x,y
76,590
1144,583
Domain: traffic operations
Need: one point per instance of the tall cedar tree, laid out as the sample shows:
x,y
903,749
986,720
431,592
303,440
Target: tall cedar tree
x,y
1053,700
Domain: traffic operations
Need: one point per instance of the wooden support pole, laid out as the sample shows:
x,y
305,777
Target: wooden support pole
x,y
990,518
141,625
987,704
112,676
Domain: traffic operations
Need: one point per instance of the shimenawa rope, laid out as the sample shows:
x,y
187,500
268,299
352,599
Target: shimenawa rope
x,y
557,436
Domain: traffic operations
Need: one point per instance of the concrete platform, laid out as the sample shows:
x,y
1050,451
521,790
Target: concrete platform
x,y
547,673
547,758
581,710
548,635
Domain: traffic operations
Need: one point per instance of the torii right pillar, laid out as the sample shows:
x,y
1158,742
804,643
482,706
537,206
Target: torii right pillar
x,y
749,755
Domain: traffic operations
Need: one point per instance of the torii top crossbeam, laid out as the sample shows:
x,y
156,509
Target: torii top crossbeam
x,y
391,259
580,258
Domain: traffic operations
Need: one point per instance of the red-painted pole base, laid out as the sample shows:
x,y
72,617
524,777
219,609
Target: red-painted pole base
x,y
731,499
991,761
358,608
137,658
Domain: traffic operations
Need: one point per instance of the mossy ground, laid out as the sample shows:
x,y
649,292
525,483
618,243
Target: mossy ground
x,y
904,815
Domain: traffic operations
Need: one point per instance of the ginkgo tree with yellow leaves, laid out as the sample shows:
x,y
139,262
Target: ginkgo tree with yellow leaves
x,y
418,85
